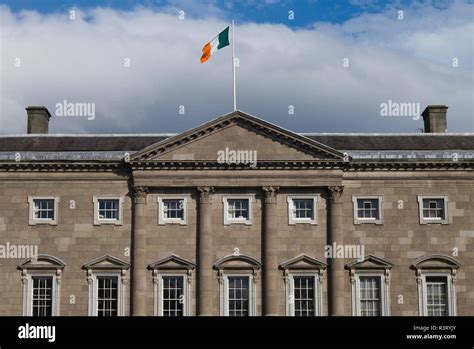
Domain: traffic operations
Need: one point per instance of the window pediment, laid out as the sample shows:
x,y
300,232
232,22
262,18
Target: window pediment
x,y
303,261
107,262
240,261
370,262
435,262
173,262
42,261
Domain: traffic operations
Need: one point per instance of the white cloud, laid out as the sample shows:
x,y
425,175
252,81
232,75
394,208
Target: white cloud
x,y
83,61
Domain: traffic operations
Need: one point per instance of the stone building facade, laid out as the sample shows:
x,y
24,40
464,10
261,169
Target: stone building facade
x,y
237,217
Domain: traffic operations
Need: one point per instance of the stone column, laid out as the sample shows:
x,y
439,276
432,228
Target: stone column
x,y
271,277
205,261
139,252
336,272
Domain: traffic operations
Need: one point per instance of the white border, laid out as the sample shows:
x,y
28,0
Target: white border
x,y
93,292
290,291
384,293
224,293
100,221
358,220
31,207
28,292
158,292
292,220
422,293
229,221
161,218
424,220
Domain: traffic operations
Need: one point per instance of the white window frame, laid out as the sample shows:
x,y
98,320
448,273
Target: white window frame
x,y
158,292
228,220
28,291
224,293
384,293
293,220
93,291
422,292
31,209
290,292
101,221
162,220
425,220
357,219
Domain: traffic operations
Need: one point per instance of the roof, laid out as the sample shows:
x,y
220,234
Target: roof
x,y
349,142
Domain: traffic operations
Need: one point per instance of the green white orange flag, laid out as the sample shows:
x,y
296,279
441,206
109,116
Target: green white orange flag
x,y
220,41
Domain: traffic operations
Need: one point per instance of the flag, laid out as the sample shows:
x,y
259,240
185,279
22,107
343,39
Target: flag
x,y
220,41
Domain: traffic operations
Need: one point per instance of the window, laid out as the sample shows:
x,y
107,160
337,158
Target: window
x,y
172,210
41,278
43,210
433,209
238,295
437,294
304,300
107,210
107,295
172,277
370,295
368,209
42,298
238,209
302,209
106,277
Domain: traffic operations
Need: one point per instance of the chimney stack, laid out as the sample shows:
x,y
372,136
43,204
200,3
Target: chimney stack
x,y
434,117
38,119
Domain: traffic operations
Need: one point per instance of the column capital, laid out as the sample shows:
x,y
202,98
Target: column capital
x,y
335,194
205,194
270,194
139,194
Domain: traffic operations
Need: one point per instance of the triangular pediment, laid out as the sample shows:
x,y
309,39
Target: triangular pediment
x,y
172,262
238,135
106,262
370,262
303,261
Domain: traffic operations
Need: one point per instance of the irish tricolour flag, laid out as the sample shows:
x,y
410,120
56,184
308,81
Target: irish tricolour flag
x,y
220,41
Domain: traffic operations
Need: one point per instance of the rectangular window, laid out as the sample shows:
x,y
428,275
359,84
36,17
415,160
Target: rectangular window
x,y
302,209
109,209
433,208
368,209
370,296
44,209
173,296
107,295
238,209
42,298
238,295
437,296
173,209
303,295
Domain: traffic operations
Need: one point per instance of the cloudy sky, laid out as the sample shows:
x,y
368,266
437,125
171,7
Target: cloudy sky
x,y
423,54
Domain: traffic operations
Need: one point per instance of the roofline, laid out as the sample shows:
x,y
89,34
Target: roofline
x,y
53,135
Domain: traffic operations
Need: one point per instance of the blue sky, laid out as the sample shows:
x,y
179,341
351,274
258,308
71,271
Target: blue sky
x,y
260,11
299,65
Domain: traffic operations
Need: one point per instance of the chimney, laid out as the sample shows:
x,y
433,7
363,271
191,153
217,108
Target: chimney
x,y
38,119
434,117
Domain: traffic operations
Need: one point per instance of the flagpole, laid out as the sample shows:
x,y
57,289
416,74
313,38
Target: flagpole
x,y
233,67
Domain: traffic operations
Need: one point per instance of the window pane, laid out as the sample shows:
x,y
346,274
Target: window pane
x,y
436,296
42,296
109,209
303,293
303,208
238,208
173,295
44,209
370,300
433,208
238,300
173,209
107,295
368,208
